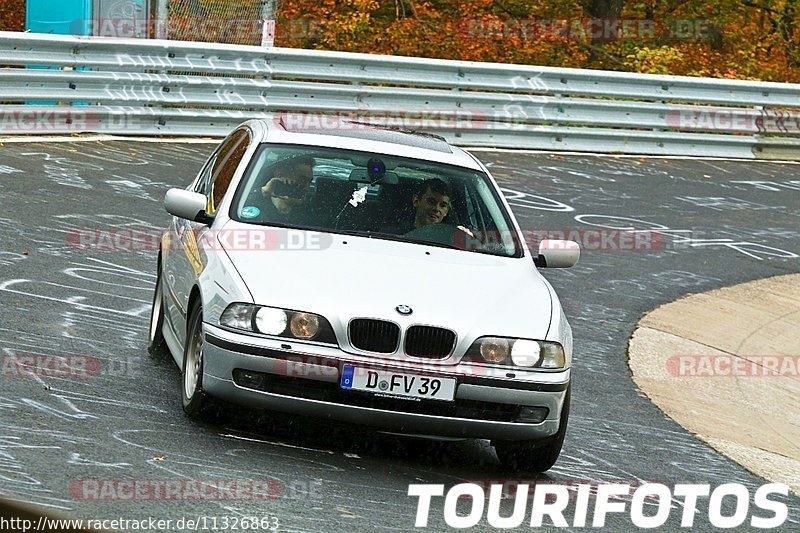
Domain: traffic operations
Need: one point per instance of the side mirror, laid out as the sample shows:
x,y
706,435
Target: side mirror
x,y
187,204
555,253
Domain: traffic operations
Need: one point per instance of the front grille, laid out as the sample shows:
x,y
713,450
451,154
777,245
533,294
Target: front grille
x,y
429,342
372,335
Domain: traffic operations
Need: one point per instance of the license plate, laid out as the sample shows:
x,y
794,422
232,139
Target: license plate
x,y
394,384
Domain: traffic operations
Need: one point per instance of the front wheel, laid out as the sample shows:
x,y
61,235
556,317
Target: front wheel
x,y
538,455
195,401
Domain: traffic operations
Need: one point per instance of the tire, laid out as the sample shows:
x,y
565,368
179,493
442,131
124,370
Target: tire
x,y
537,455
196,404
156,345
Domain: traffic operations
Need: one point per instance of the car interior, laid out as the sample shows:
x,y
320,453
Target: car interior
x,y
352,194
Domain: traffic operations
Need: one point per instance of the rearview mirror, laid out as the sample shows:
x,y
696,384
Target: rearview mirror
x,y
187,204
557,253
361,175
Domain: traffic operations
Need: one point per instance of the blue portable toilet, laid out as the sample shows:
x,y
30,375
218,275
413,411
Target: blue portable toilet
x,y
87,17
64,17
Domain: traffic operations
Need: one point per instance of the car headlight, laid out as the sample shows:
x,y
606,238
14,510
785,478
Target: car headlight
x,y
304,325
525,353
239,316
278,322
517,352
553,355
495,350
270,321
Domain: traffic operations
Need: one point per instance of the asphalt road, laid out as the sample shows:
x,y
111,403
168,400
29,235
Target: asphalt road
x,y
123,420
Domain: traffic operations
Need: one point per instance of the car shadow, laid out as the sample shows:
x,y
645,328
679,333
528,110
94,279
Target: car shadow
x,y
466,459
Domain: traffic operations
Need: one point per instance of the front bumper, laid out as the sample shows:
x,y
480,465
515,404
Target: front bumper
x,y
304,379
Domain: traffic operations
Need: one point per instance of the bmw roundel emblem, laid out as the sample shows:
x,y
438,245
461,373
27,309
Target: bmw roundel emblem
x,y
404,309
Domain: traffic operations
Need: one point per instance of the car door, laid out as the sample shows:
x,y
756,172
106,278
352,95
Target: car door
x,y
185,261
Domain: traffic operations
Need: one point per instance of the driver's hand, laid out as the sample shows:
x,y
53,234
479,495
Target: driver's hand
x,y
466,230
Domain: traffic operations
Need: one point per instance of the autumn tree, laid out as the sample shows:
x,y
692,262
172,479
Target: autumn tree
x,y
750,39
12,15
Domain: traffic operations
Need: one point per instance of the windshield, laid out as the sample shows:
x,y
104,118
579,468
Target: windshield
x,y
374,195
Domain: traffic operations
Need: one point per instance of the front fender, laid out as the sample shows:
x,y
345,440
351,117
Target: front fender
x,y
220,284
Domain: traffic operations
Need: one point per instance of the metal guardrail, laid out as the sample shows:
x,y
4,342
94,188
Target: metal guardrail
x,y
148,87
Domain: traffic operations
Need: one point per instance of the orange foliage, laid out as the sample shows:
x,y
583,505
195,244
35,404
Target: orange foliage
x,y
12,15
726,39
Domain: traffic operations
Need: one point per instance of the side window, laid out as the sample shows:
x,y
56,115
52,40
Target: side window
x,y
223,167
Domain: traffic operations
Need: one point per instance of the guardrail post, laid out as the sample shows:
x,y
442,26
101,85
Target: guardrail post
x,y
269,11
162,19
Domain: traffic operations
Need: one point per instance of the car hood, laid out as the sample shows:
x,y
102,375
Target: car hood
x,y
349,277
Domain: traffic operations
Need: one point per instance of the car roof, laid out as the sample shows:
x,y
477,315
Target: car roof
x,y
369,138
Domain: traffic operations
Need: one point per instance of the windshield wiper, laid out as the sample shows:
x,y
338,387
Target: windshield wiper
x,y
398,238
371,234
438,244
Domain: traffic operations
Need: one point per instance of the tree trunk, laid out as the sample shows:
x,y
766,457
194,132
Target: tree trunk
x,y
603,9
608,12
